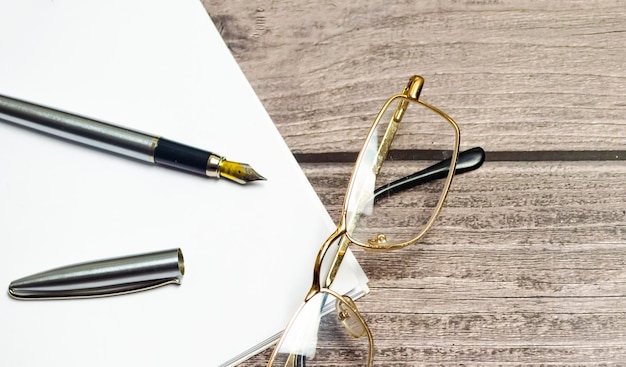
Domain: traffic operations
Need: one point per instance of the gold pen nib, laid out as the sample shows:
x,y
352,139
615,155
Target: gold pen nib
x,y
239,172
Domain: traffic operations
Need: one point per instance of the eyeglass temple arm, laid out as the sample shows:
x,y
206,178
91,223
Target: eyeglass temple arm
x,y
468,160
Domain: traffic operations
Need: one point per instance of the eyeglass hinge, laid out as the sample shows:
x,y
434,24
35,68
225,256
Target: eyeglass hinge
x,y
413,88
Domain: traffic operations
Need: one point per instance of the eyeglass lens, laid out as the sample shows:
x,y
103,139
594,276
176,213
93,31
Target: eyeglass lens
x,y
408,137
324,323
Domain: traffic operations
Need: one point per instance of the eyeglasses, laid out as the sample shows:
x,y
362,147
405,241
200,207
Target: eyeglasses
x,y
425,144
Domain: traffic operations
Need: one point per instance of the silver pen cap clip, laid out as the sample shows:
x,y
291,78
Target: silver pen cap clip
x,y
103,278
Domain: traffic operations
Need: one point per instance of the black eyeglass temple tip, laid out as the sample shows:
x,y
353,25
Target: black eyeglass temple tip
x,y
467,161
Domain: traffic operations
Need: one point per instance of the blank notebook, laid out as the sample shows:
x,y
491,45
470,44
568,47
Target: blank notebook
x,y
162,68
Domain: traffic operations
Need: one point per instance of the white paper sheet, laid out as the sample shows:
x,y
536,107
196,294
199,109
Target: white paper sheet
x,y
162,68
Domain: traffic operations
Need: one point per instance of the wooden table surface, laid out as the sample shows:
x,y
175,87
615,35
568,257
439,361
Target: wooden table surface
x,y
527,263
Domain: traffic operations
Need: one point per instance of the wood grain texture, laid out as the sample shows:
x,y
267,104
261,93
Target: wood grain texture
x,y
526,266
517,75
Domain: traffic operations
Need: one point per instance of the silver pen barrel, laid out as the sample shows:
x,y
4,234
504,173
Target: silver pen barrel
x,y
123,141
79,129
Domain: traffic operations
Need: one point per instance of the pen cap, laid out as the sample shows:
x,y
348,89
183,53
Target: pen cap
x,y
100,278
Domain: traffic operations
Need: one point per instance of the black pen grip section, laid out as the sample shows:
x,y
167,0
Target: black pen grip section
x,y
172,154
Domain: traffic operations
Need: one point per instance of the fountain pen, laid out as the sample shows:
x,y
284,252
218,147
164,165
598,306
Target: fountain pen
x,y
123,141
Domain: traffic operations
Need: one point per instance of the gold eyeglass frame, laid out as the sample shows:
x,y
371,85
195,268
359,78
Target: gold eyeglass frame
x,y
411,93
